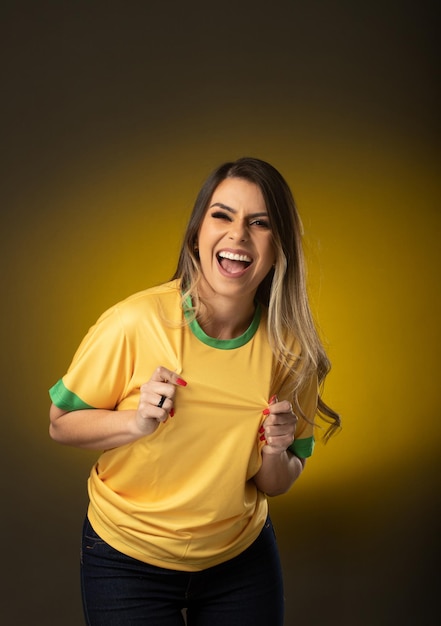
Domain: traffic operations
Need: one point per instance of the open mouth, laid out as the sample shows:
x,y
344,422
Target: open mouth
x,y
233,263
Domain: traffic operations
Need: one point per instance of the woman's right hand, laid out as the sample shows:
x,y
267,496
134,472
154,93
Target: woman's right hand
x,y
156,403
102,429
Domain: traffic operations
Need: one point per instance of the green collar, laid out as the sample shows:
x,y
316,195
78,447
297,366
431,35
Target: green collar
x,y
222,344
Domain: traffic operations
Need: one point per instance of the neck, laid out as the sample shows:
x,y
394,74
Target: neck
x,y
224,318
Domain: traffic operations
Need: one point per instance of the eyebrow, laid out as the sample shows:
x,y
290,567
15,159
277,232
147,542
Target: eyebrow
x,y
231,210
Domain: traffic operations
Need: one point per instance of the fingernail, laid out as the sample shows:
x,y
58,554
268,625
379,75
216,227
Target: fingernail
x,y
172,412
272,399
262,438
266,411
181,382
261,429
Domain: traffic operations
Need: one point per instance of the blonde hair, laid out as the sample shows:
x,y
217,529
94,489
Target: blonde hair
x,y
283,291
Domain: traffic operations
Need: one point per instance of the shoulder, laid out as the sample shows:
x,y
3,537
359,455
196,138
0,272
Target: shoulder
x,y
164,299
166,291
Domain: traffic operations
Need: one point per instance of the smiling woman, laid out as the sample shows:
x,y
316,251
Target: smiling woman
x,y
236,253
203,393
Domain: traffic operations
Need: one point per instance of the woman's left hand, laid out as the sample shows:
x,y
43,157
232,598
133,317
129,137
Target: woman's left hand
x,y
279,428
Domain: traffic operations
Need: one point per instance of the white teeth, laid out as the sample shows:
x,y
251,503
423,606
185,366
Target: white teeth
x,y
235,257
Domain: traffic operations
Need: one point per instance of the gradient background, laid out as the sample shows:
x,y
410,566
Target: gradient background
x,y
113,114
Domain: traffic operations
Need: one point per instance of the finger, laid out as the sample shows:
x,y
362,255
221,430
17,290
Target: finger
x,y
282,407
281,440
281,419
154,404
282,428
162,374
166,404
278,407
152,392
161,402
159,414
279,425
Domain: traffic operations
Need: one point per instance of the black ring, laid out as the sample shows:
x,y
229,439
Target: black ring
x,y
161,401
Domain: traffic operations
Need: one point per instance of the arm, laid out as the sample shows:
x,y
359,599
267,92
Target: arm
x,y
98,429
280,468
93,429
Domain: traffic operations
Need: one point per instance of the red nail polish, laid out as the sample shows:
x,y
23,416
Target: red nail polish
x,y
172,412
261,430
266,411
181,382
262,438
272,399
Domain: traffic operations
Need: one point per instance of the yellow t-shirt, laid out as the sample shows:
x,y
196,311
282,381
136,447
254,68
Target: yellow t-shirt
x,y
182,498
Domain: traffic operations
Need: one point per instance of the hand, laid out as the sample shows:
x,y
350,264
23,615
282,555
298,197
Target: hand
x,y
279,428
157,398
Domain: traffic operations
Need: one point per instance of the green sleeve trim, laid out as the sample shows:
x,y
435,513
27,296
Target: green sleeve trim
x,y
65,399
302,447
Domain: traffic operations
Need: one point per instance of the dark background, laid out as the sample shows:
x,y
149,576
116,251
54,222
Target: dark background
x,y
112,115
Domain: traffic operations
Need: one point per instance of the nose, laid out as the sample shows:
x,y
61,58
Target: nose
x,y
238,231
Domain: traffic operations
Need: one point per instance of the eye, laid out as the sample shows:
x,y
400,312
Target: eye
x,y
221,215
262,223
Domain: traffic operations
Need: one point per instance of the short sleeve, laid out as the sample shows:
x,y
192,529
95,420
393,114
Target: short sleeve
x,y
100,370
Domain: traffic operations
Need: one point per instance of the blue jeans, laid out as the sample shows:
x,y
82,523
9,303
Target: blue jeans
x,y
121,591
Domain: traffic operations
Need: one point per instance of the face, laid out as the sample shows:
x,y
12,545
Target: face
x,y
235,241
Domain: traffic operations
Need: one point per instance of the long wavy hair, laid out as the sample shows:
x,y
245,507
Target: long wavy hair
x,y
283,291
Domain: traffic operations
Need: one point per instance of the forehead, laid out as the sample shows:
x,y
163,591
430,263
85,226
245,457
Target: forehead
x,y
239,194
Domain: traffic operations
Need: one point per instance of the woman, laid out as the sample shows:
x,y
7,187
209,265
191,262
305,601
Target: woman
x,y
202,392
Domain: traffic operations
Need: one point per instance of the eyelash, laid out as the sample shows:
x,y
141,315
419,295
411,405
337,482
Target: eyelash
x,y
262,223
257,222
220,215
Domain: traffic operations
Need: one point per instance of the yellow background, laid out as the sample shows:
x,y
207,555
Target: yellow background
x,y
114,115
